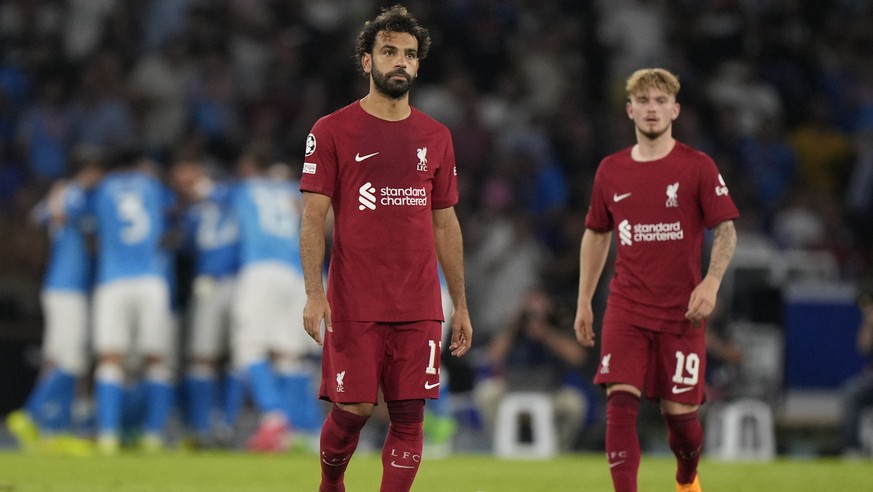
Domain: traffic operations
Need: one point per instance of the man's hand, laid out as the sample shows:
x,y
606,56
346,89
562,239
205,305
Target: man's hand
x,y
317,309
584,325
702,301
462,332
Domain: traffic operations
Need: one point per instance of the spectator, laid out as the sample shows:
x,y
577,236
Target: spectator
x,y
45,132
768,160
504,260
102,117
535,354
825,153
160,84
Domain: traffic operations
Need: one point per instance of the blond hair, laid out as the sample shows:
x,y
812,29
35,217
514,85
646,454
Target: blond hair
x,y
648,78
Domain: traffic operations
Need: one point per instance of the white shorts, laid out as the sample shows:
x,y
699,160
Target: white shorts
x,y
210,317
268,313
65,341
134,315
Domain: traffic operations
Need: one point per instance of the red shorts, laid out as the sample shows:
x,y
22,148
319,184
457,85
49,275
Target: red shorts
x,y
667,366
401,358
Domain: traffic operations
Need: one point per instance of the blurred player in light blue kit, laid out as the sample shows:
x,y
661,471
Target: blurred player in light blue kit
x,y
267,342
132,299
46,418
211,232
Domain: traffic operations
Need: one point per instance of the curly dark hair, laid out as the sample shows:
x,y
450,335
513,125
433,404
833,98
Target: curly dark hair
x,y
392,19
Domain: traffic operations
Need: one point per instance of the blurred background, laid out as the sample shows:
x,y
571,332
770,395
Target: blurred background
x,y
778,92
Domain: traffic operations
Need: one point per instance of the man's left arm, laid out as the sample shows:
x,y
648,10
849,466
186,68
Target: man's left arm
x,y
450,251
703,297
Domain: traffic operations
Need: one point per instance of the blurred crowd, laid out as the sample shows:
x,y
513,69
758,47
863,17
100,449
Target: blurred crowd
x,y
778,92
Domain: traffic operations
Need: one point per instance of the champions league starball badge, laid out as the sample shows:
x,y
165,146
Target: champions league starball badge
x,y
310,144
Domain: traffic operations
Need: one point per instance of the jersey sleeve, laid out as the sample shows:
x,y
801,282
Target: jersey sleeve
x,y
320,162
716,203
445,180
599,218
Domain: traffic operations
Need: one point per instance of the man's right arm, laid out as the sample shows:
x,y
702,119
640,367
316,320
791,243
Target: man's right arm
x,y
315,207
592,258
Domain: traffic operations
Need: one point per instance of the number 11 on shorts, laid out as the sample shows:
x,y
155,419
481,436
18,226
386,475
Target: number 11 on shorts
x,y
433,350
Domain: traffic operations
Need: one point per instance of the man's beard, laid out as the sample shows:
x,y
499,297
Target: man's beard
x,y
394,89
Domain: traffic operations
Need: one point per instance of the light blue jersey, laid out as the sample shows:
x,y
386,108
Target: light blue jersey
x,y
70,266
213,230
269,221
129,207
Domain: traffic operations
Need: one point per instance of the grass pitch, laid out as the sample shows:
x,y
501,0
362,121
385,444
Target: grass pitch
x,y
226,472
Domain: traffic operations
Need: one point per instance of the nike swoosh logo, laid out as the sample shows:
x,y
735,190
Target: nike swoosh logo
x,y
428,385
677,390
359,157
613,465
395,465
617,198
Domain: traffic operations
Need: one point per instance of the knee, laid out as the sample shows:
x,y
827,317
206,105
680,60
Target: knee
x,y
159,372
359,409
622,408
406,411
246,354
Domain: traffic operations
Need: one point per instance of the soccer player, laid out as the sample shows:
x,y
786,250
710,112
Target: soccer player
x,y
270,295
211,233
66,288
388,171
658,195
132,316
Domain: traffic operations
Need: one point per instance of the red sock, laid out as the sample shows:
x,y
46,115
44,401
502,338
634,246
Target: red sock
x,y
339,438
401,455
685,435
622,442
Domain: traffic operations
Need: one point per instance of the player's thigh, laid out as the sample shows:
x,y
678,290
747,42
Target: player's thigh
x,y
251,308
113,322
287,334
210,319
624,354
352,361
155,326
678,367
66,329
412,364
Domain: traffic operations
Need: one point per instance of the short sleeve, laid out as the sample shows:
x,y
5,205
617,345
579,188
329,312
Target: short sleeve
x,y
716,203
599,218
320,162
445,180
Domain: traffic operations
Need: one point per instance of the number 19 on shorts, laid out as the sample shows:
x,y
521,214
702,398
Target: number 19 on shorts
x,y
687,369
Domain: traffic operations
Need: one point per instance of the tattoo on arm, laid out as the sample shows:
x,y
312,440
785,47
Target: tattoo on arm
x,y
723,246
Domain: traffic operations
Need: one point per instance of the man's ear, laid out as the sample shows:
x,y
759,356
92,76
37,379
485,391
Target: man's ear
x,y
366,63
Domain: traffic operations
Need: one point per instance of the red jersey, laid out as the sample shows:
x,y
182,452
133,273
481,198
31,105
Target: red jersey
x,y
659,210
384,179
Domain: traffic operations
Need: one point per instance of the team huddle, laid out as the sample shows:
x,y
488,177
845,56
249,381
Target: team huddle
x,y
116,229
